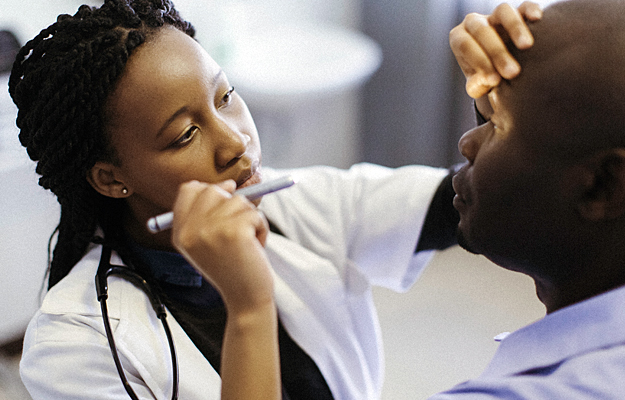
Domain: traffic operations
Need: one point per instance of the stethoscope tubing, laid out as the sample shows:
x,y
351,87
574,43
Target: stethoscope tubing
x,y
104,270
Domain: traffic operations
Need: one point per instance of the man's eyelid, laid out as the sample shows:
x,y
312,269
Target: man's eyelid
x,y
496,121
495,104
493,99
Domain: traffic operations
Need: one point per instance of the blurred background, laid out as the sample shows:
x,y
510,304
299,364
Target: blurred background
x,y
328,82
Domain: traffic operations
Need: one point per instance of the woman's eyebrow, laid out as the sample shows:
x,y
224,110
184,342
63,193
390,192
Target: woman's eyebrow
x,y
171,119
184,109
217,76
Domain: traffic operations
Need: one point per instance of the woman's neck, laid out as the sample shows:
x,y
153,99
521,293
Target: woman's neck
x,y
136,230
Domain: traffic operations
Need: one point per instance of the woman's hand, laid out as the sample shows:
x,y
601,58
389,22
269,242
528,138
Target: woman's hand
x,y
479,45
223,236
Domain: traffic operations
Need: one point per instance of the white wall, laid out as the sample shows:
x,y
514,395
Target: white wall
x,y
516,3
440,332
28,214
28,18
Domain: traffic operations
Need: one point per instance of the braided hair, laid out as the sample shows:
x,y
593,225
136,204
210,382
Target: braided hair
x,y
60,82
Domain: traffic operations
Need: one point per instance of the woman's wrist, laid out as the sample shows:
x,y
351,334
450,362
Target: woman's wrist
x,y
251,317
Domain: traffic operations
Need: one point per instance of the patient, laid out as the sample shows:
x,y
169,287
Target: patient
x,y
543,193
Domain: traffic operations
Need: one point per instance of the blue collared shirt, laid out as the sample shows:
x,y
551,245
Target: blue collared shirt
x,y
178,278
577,352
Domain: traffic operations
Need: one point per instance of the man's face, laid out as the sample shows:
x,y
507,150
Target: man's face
x,y
520,193
511,196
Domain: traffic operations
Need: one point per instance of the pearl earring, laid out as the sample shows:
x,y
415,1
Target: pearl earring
x,y
124,191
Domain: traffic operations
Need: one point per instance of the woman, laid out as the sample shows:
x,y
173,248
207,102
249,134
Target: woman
x,y
128,117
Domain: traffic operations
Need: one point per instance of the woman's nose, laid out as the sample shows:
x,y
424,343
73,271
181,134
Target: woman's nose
x,y
230,146
469,144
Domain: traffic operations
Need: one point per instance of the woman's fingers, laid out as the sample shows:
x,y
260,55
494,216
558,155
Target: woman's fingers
x,y
479,44
531,11
473,59
223,236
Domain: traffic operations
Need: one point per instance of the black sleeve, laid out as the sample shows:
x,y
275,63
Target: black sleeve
x,y
441,221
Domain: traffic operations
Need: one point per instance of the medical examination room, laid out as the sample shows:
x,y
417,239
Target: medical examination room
x,y
328,82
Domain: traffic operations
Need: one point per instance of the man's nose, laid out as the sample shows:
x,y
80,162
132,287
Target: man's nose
x,y
470,143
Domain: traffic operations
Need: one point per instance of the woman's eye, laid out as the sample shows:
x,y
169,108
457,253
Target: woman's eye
x,y
227,96
186,137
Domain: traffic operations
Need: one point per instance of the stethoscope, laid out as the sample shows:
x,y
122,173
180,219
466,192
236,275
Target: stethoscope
x,y
104,270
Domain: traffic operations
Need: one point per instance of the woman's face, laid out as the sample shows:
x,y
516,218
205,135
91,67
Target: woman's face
x,y
174,117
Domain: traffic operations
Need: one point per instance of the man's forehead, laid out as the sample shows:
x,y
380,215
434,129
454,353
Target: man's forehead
x,y
577,36
564,62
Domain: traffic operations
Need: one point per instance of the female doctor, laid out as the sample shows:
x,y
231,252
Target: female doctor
x,y
127,118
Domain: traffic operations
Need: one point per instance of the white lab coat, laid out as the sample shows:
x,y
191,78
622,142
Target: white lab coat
x,y
344,231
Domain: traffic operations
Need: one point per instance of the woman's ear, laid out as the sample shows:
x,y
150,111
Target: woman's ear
x,y
604,197
104,178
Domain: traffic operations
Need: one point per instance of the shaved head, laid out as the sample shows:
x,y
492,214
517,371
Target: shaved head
x,y
544,190
573,78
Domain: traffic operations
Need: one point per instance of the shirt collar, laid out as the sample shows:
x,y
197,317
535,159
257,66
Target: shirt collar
x,y
582,327
168,267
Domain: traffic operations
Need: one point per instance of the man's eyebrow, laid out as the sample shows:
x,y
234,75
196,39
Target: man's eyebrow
x,y
184,109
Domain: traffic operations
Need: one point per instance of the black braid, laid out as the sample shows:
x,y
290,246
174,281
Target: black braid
x,y
60,83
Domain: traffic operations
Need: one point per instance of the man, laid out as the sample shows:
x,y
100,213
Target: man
x,y
543,193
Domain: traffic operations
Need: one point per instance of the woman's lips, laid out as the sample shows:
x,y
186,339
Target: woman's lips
x,y
252,179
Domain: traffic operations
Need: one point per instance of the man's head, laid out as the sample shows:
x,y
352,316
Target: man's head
x,y
544,190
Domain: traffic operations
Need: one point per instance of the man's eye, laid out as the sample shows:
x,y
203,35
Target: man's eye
x,y
186,137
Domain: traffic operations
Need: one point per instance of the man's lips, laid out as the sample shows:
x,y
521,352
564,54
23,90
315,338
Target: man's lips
x,y
458,201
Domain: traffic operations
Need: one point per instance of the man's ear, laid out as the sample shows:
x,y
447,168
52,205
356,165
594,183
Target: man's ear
x,y
604,195
104,178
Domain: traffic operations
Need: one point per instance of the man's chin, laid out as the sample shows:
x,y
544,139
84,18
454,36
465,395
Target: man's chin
x,y
465,243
